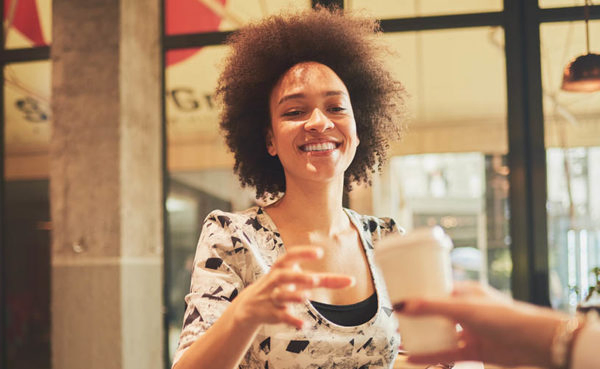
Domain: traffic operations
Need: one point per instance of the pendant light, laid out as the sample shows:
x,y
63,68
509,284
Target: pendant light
x,y
583,73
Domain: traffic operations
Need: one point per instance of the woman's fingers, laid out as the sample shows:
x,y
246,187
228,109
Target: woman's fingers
x,y
473,290
287,283
280,296
449,309
297,278
297,254
285,317
304,280
334,281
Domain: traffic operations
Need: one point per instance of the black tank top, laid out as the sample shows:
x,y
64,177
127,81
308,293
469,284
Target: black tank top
x,y
349,315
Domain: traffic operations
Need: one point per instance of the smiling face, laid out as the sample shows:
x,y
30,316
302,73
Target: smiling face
x,y
313,131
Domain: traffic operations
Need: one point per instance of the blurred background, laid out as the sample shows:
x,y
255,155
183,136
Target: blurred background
x,y
495,153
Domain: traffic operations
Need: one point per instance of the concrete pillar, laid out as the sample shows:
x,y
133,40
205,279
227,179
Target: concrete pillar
x,y
106,186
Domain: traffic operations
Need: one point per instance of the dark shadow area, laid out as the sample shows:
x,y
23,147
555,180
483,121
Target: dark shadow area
x,y
27,272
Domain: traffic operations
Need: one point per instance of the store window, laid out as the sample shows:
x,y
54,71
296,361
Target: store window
x,y
572,129
26,240
560,3
386,9
450,169
197,16
27,23
199,165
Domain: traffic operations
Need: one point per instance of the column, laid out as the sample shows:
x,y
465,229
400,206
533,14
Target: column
x,y
106,185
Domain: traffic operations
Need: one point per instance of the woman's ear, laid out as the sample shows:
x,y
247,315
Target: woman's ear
x,y
270,146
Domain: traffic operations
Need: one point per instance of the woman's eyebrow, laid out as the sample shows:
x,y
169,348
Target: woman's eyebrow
x,y
335,93
290,97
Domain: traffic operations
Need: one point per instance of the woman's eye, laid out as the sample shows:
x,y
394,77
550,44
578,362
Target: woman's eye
x,y
337,109
292,113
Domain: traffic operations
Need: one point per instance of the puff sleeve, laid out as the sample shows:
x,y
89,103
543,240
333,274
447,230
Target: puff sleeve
x,y
216,279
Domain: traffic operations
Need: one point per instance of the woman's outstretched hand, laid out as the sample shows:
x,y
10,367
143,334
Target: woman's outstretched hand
x,y
267,300
496,329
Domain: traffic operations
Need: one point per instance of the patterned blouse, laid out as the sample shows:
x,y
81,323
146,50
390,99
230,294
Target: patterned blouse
x,y
235,249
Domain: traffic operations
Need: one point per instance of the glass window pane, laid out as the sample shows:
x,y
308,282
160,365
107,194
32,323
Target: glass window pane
x,y
572,128
200,167
462,99
194,16
450,169
386,9
560,3
28,23
27,124
27,214
191,79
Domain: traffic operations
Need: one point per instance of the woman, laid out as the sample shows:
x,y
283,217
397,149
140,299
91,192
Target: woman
x,y
308,110
498,330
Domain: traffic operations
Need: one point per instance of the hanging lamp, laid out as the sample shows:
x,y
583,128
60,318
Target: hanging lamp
x,y
583,73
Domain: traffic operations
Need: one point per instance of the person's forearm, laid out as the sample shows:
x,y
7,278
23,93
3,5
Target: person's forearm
x,y
537,332
222,346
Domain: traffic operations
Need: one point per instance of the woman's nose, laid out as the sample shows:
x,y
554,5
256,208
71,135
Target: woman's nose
x,y
318,122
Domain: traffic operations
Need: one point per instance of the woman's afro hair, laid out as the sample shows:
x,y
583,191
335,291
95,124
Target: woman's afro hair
x,y
262,52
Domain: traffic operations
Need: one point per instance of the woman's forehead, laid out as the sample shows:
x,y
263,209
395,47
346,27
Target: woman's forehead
x,y
308,75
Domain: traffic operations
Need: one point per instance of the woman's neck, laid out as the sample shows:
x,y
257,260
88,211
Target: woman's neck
x,y
312,207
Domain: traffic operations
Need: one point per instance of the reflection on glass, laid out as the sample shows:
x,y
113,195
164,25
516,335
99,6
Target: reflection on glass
x,y
560,3
192,115
192,195
27,215
386,9
457,99
458,108
464,193
28,23
572,126
200,167
196,16
27,108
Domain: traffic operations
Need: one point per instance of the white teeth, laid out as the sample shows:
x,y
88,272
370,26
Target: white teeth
x,y
323,146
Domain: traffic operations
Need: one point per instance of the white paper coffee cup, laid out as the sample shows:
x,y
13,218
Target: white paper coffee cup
x,y
418,265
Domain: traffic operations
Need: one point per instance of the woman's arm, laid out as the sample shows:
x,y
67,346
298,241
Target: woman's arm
x,y
265,301
223,345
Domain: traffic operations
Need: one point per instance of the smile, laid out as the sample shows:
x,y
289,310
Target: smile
x,y
321,146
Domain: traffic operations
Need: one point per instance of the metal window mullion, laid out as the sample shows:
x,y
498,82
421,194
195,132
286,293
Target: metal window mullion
x,y
165,187
569,14
527,154
440,22
25,54
3,335
194,40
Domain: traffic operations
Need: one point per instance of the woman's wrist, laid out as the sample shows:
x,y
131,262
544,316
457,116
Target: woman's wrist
x,y
563,341
242,319
537,329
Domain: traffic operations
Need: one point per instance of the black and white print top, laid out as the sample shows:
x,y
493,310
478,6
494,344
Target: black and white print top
x,y
235,249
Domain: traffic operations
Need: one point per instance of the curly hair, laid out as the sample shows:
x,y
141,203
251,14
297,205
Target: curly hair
x,y
262,52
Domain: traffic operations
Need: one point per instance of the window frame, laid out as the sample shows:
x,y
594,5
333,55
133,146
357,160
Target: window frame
x,y
8,56
521,22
